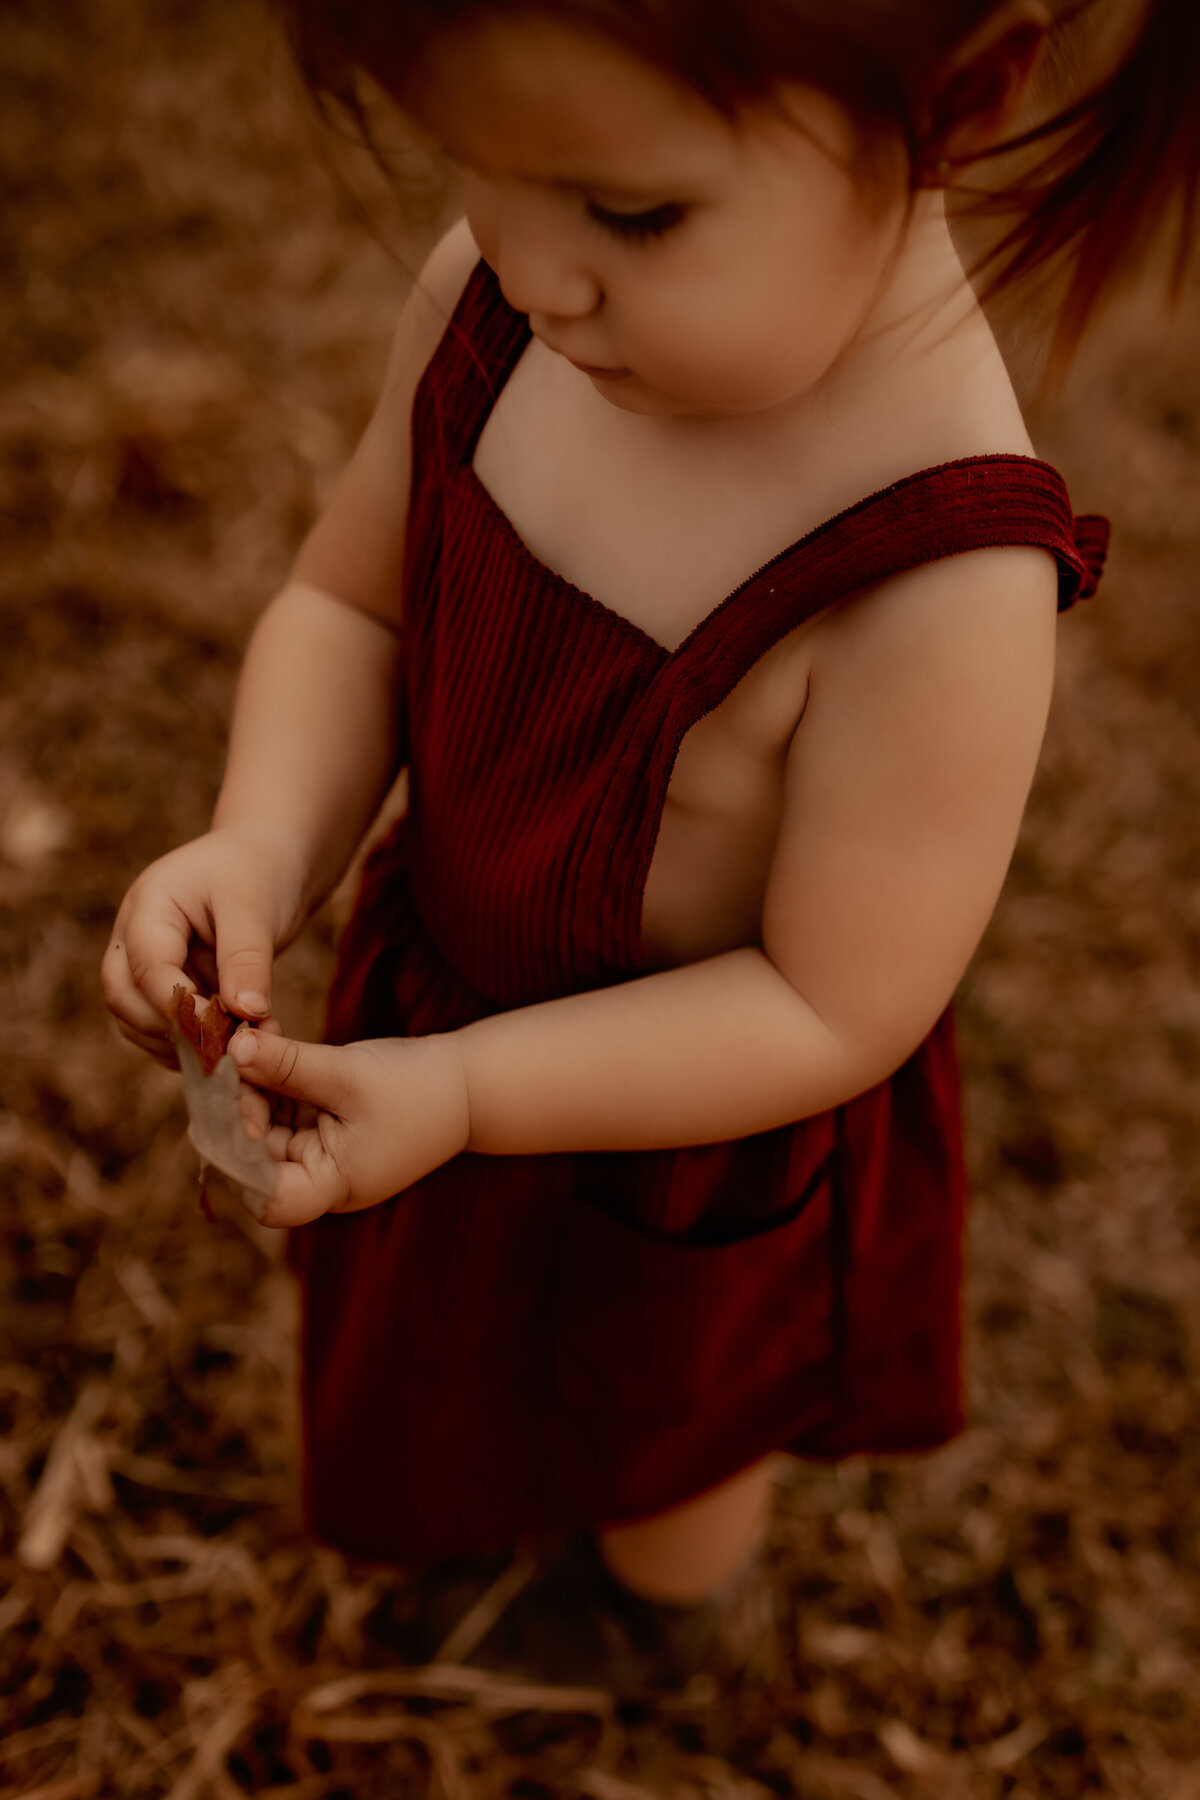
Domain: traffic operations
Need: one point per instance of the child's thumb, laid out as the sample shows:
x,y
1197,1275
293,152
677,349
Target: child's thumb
x,y
313,1072
244,956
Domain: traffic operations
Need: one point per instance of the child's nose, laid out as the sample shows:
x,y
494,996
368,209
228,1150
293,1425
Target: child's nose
x,y
539,272
547,285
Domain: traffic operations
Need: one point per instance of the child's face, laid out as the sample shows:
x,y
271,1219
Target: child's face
x,y
689,264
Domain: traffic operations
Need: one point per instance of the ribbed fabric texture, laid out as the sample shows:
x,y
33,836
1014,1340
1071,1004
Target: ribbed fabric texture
x,y
523,1343
552,723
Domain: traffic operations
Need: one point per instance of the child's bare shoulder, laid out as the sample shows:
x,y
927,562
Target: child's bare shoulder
x,y
435,294
356,549
952,404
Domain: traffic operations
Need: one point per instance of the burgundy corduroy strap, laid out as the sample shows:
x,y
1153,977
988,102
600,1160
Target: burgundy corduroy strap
x,y
972,504
604,665
967,504
976,503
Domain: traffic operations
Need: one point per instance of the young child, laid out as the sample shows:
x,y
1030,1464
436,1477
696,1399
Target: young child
x,y
729,581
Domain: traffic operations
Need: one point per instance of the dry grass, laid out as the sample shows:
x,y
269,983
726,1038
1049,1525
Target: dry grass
x,y
194,322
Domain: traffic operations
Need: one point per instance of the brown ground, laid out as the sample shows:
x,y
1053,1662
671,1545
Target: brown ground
x,y
193,324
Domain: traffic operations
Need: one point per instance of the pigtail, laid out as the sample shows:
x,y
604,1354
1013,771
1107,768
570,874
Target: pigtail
x,y
1112,176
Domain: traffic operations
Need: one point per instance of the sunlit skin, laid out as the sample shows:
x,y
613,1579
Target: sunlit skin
x,y
707,265
736,334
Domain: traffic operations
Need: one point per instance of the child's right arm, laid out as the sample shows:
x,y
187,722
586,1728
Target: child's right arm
x,y
313,742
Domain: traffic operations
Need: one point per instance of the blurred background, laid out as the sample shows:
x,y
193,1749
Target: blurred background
x,y
195,319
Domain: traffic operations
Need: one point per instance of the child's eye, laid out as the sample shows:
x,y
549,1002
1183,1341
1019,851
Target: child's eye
x,y
653,223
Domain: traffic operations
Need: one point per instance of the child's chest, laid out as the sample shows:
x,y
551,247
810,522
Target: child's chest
x,y
658,521
661,530
662,524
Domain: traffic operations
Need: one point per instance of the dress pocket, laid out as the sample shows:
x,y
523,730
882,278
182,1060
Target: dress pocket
x,y
648,1326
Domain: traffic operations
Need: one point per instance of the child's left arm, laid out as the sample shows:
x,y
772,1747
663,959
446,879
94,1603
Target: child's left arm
x,y
905,783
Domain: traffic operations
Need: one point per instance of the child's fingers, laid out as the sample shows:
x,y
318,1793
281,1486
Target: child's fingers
x,y
267,1114
257,1112
153,1043
278,1141
319,1073
310,1184
155,946
245,952
138,981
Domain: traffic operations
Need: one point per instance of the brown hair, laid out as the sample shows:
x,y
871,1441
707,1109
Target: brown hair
x,y
1087,190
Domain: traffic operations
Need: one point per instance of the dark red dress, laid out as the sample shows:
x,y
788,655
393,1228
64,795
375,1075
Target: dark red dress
x,y
519,1343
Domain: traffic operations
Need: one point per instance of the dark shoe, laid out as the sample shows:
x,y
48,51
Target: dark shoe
x,y
574,1624
417,1619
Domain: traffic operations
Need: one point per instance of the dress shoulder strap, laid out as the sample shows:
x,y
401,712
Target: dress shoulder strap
x,y
477,352
976,503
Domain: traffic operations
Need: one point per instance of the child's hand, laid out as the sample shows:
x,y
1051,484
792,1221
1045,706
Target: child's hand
x,y
372,1117
211,916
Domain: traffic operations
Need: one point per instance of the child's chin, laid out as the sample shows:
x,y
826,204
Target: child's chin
x,y
632,394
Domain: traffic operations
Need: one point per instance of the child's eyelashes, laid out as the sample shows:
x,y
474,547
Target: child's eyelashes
x,y
652,222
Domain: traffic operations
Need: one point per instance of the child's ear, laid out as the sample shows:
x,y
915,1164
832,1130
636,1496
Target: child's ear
x,y
977,91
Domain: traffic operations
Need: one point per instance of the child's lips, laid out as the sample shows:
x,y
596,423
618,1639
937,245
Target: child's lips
x,y
597,373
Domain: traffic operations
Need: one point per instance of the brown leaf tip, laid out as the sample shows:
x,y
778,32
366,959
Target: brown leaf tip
x,y
209,1032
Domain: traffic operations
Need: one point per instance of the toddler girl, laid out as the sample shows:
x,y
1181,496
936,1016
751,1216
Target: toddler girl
x,y
697,563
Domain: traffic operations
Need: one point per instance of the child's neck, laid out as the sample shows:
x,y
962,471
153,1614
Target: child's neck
x,y
660,517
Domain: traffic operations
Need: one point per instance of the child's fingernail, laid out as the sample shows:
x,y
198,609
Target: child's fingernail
x,y
242,1046
254,1003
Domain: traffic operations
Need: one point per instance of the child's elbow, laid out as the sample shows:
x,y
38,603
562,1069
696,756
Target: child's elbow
x,y
863,1039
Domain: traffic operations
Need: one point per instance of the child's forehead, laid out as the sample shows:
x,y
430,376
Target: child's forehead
x,y
559,102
